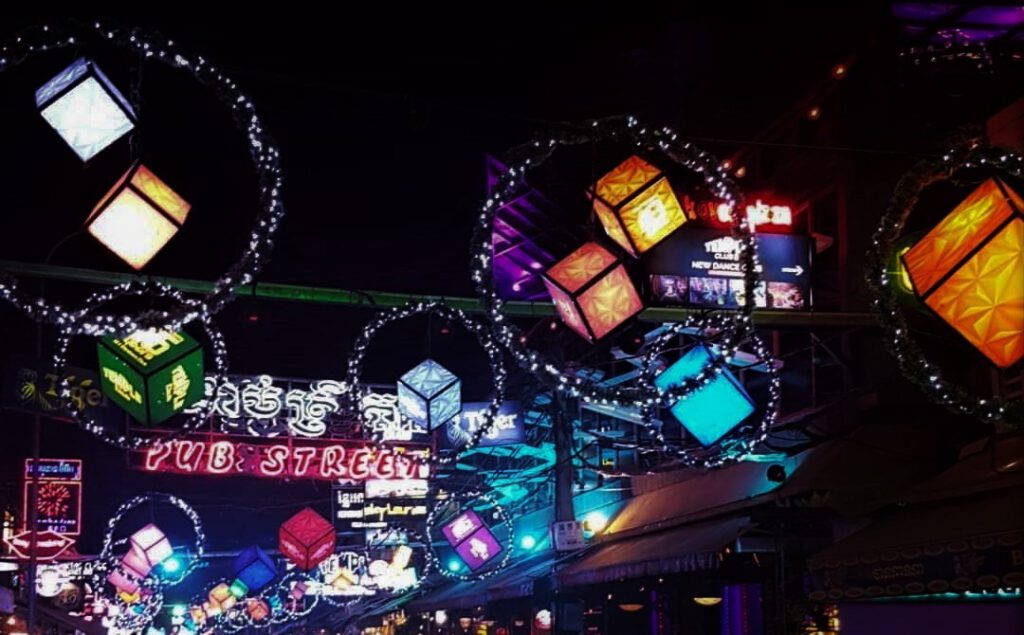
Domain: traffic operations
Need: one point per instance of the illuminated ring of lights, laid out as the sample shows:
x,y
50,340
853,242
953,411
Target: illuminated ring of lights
x,y
913,363
463,500
283,586
485,337
198,545
130,289
263,152
735,446
531,156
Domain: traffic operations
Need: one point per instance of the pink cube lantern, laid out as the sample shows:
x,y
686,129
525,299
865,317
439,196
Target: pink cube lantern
x,y
307,539
152,544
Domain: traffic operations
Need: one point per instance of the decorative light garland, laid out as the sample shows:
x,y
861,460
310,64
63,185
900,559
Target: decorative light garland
x,y
129,617
484,335
462,500
734,446
262,150
134,289
912,361
531,156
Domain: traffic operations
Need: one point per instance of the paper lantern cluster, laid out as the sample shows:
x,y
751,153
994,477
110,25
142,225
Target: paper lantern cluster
x,y
592,291
152,375
712,411
141,213
307,539
148,548
591,288
969,270
429,395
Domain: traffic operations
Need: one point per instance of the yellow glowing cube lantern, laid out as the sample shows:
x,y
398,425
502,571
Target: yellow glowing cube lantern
x,y
138,216
592,291
969,270
636,205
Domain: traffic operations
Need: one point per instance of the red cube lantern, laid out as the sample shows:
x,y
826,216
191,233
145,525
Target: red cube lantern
x,y
307,538
257,609
592,291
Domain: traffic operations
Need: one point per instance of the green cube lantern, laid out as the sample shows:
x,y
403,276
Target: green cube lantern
x,y
152,375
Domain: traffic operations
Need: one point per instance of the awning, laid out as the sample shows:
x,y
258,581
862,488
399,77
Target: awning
x,y
964,544
515,581
689,548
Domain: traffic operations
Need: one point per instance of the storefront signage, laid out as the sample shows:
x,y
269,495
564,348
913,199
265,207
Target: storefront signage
x,y
49,544
59,500
703,267
310,459
263,406
29,385
508,427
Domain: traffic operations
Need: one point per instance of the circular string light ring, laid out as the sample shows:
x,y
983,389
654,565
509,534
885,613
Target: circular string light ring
x,y
913,363
263,153
464,501
135,289
531,156
734,445
483,334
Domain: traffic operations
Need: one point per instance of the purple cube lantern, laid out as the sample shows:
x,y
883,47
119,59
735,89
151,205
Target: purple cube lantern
x,y
255,568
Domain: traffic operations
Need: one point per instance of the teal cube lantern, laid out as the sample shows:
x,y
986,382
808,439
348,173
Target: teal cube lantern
x,y
712,411
152,375
429,395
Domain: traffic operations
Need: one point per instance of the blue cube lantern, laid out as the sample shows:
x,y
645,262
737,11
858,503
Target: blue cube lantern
x,y
255,568
429,395
85,108
712,411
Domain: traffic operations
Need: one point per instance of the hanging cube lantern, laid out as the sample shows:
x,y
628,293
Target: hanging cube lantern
x,y
221,599
710,412
255,568
307,539
257,609
429,395
969,270
636,205
238,589
137,216
85,108
592,291
151,543
135,562
152,375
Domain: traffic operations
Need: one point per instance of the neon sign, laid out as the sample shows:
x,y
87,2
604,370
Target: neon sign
x,y
49,544
759,214
333,461
262,408
59,500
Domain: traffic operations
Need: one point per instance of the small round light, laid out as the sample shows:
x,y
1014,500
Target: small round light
x,y
595,522
839,71
454,565
814,113
528,542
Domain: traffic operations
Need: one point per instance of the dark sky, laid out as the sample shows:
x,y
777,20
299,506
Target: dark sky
x,y
384,120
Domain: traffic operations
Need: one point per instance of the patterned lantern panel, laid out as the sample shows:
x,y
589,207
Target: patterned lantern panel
x,y
969,269
429,395
85,108
136,563
151,543
307,538
592,291
138,216
636,205
152,375
712,411
471,539
255,568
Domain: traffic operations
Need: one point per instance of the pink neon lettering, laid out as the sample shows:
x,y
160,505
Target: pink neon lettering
x,y
274,459
222,457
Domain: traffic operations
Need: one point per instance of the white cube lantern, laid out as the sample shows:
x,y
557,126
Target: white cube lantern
x,y
151,543
85,108
138,216
429,395
135,562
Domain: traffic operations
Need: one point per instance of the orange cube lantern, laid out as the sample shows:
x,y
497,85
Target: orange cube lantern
x,y
969,269
138,216
592,291
637,206
221,599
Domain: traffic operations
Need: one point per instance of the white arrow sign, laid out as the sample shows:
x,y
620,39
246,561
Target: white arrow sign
x,y
797,270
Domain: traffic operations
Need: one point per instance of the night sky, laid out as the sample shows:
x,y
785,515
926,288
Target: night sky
x,y
384,121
